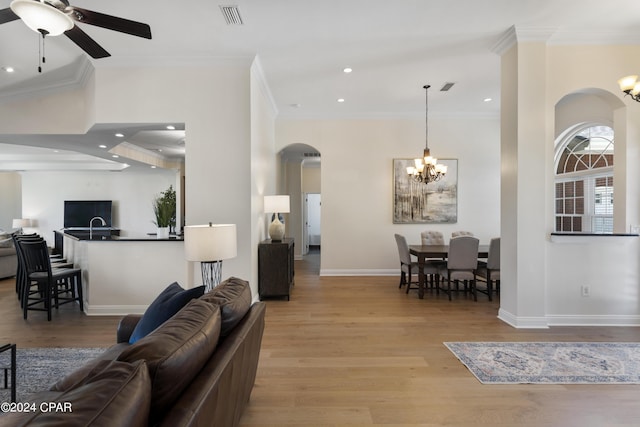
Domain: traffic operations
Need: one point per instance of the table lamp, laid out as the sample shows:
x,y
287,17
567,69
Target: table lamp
x,y
20,223
276,205
210,244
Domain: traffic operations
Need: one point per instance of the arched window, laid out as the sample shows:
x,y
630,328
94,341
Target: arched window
x,y
584,181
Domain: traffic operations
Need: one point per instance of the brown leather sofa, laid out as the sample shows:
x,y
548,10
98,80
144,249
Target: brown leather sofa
x,y
196,369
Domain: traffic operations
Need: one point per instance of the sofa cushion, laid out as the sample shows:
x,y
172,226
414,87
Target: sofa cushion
x,y
234,298
168,303
114,394
176,352
72,379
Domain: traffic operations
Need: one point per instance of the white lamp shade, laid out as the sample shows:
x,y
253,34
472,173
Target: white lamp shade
x,y
276,204
213,242
41,16
21,223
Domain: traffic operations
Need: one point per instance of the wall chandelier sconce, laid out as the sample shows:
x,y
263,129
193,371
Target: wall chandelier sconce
x,y
630,86
426,169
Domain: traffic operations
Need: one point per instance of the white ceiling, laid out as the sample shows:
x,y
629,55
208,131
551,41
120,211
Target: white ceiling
x,y
394,48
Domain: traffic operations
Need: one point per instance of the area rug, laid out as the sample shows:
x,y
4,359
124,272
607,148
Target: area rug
x,y
550,362
38,369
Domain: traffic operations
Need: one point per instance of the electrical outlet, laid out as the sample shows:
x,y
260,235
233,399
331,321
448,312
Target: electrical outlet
x,y
586,290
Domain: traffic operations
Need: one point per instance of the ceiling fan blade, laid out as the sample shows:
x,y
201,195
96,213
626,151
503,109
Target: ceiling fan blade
x,y
7,15
86,43
111,22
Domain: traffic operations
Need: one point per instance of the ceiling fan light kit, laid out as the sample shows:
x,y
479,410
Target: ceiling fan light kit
x,y
56,17
40,16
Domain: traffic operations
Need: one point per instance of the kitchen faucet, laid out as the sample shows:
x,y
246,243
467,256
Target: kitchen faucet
x,y
91,225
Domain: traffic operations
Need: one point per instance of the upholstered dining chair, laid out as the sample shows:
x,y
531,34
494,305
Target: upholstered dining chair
x,y
461,233
409,267
432,237
490,270
461,264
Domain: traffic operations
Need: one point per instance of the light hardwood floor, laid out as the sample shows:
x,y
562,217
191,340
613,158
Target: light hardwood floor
x,y
357,351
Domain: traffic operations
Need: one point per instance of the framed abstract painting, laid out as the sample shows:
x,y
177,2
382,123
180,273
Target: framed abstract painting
x,y
418,203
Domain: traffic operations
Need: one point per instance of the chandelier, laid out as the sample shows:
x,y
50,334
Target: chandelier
x,y
630,86
426,169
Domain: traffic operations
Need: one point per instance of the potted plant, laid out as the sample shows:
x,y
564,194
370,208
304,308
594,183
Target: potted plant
x,y
164,209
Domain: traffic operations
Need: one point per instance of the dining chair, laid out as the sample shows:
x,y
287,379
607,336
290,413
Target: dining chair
x,y
408,266
461,233
21,277
490,269
45,285
431,237
461,264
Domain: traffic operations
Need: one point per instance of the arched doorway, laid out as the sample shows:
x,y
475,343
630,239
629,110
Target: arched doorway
x,y
301,179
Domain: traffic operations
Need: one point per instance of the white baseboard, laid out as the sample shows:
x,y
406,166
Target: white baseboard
x,y
113,310
545,322
594,320
356,272
522,322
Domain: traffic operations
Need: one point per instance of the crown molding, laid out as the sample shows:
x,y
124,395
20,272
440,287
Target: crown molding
x,y
515,35
72,76
258,71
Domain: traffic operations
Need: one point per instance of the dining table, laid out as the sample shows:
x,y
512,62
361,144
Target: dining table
x,y
422,252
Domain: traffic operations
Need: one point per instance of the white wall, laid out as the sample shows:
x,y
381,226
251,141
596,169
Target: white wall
x,y
311,179
263,162
543,275
44,194
10,199
211,98
610,266
356,180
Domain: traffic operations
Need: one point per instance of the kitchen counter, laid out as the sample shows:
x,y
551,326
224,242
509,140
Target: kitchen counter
x,y
124,277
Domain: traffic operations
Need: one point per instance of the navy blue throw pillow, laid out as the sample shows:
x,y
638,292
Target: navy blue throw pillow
x,y
168,303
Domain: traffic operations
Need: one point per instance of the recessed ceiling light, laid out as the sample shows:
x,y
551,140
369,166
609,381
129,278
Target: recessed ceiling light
x,y
348,70
488,100
8,69
153,167
115,156
102,146
171,127
119,135
340,99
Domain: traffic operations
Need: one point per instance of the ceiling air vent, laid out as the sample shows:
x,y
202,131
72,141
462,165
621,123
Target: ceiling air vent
x,y
231,15
446,87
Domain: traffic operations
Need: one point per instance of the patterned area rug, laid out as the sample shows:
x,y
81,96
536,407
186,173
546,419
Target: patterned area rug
x,y
38,369
550,362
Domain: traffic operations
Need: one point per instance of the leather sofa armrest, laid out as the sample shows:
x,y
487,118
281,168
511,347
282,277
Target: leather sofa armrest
x,y
126,326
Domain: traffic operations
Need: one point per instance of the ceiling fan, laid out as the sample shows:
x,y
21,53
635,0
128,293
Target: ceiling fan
x,y
55,17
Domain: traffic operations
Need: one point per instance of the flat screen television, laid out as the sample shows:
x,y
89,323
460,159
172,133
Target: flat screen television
x,y
78,213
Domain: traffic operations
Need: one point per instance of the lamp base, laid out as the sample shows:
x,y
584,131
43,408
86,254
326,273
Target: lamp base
x,y
276,230
211,274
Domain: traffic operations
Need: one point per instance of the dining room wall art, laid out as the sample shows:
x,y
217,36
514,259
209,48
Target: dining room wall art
x,y
419,203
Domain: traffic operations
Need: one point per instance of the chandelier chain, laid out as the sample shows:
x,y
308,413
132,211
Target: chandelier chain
x,y
426,116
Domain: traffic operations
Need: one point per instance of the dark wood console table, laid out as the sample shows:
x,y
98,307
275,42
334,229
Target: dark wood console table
x,y
275,268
